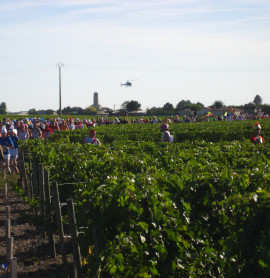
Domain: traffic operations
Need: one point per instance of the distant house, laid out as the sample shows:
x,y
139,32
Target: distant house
x,y
204,111
120,112
223,110
185,112
21,113
137,113
219,111
102,113
251,108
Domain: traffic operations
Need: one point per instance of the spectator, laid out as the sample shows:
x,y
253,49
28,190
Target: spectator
x,y
92,138
12,132
256,138
166,136
5,143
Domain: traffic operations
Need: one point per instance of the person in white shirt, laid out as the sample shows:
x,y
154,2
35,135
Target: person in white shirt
x,y
166,136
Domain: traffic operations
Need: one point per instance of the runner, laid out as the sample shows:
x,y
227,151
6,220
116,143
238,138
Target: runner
x,y
71,124
47,132
12,132
5,143
79,125
54,126
36,132
92,138
23,134
256,138
166,136
63,125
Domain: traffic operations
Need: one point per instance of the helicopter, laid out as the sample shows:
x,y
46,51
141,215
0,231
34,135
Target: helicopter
x,y
128,83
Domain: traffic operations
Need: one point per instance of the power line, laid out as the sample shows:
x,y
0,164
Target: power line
x,y
154,69
27,70
172,68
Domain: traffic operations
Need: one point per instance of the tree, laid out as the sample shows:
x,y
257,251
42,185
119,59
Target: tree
x,y
201,105
133,105
77,110
195,107
3,108
124,104
155,111
266,108
258,100
90,110
168,107
49,112
32,111
72,111
182,105
110,111
217,104
66,111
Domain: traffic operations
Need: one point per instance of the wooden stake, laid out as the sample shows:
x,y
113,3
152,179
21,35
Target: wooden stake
x,y
10,243
8,212
74,236
34,183
24,173
41,188
6,191
48,214
13,267
60,226
7,221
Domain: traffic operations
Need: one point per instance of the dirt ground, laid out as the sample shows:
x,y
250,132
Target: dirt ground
x,y
30,244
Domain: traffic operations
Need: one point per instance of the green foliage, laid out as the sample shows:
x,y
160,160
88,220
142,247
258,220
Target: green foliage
x,y
192,132
40,112
257,100
217,104
90,110
133,105
168,107
3,108
196,208
266,108
183,104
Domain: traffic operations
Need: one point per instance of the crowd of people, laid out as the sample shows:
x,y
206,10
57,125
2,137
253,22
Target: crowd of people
x,y
33,128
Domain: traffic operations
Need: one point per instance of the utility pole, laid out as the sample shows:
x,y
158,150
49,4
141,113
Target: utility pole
x,y
59,65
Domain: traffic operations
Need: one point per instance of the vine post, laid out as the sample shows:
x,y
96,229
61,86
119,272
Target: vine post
x,y
60,226
74,236
41,188
48,213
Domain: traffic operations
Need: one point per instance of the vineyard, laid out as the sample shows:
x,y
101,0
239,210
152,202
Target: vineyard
x,y
198,207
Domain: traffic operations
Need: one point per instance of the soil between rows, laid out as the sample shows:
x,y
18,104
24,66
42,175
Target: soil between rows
x,y
30,245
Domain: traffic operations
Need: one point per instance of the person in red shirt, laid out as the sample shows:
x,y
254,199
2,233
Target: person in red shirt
x,y
63,125
256,138
54,125
47,132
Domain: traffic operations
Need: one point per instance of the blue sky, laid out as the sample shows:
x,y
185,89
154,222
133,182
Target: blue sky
x,y
201,50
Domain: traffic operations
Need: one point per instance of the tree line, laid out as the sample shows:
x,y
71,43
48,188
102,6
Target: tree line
x,y
133,105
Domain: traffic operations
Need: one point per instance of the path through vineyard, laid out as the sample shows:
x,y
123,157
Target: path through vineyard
x,y
30,245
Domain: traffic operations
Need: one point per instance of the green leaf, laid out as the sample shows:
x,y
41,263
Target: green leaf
x,y
263,264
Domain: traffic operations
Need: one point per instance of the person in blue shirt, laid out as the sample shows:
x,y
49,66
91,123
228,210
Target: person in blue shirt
x,y
12,133
5,143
